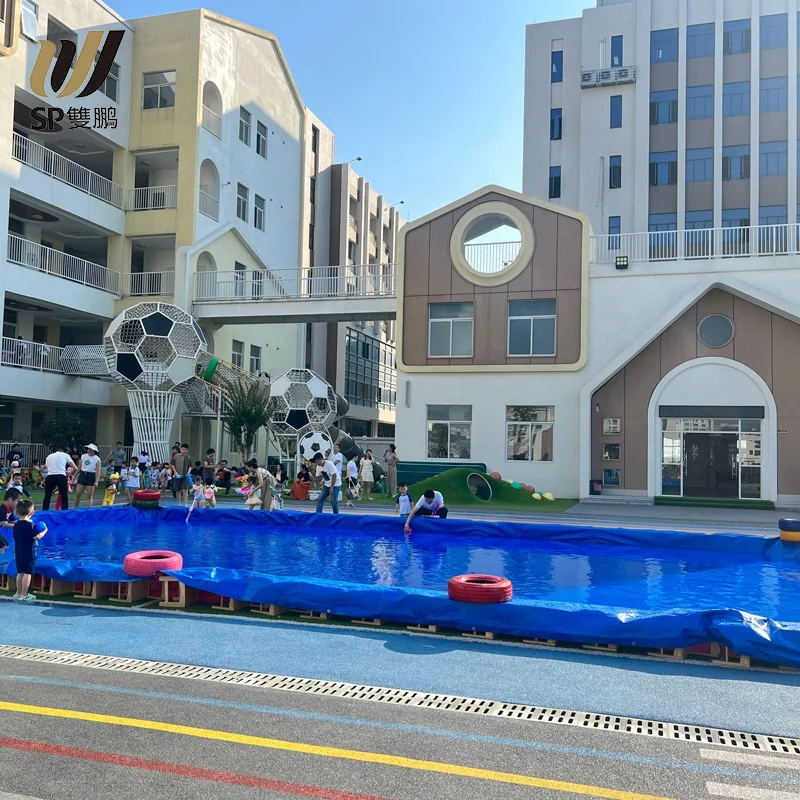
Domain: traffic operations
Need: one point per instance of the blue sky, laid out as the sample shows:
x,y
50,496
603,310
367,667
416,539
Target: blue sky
x,y
428,92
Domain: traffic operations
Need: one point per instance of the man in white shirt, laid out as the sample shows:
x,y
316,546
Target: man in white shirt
x,y
89,475
56,466
431,504
332,482
338,461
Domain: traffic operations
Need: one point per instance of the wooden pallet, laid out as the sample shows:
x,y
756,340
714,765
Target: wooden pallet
x,y
603,648
541,642
368,621
92,590
676,653
479,635
50,587
129,591
321,615
8,584
423,628
267,609
230,604
187,595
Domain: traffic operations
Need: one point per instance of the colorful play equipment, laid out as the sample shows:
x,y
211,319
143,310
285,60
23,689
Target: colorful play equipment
x,y
146,563
479,589
146,498
479,486
790,530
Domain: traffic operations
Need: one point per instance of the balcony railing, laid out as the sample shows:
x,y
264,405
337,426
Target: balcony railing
x,y
365,280
41,158
149,284
31,355
153,197
208,205
212,122
353,222
491,257
699,243
611,76
54,262
373,240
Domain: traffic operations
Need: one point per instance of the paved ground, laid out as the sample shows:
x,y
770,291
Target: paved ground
x,y
71,732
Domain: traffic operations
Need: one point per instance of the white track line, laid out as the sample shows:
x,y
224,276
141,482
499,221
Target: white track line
x,y
748,792
752,759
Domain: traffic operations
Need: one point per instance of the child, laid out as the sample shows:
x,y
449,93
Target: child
x,y
70,471
111,490
26,534
132,478
8,515
352,481
163,478
281,479
16,483
153,476
404,501
209,493
37,475
198,495
253,496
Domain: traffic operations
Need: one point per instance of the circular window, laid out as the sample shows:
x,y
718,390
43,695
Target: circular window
x,y
492,243
716,330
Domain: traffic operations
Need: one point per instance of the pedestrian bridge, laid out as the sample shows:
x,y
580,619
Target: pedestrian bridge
x,y
319,294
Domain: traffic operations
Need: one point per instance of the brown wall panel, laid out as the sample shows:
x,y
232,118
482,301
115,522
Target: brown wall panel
x,y
570,254
415,329
679,342
441,267
752,342
568,334
736,68
417,249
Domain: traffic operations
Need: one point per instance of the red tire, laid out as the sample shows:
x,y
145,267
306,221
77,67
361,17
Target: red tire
x,y
147,563
479,589
147,494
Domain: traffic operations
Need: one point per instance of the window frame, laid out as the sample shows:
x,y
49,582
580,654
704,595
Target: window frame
x,y
556,66
738,103
27,8
774,96
532,318
697,41
112,79
554,183
737,37
450,320
245,125
666,166
617,44
255,359
613,235
664,48
556,126
548,423
703,102
611,172
741,157
707,170
259,210
242,202
774,31
773,157
430,421
159,87
261,139
237,358
615,111
664,107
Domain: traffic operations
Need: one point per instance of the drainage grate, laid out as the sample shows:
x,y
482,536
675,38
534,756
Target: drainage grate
x,y
443,702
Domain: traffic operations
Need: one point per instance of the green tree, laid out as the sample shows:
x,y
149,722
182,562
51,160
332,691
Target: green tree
x,y
65,428
246,411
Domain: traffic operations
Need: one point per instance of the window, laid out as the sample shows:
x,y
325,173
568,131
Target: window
x,y
259,212
615,172
700,40
735,217
698,237
310,235
531,327
614,229
663,46
529,433
715,330
237,354
158,90
736,99
663,107
774,31
555,124
110,86
663,168
772,215
261,140
700,165
663,239
255,359
772,158
699,102
450,432
370,377
242,195
736,162
660,223
616,110
30,20
773,95
555,183
244,125
736,37
9,325
314,139
557,66
616,51
312,191
773,239
239,277
450,329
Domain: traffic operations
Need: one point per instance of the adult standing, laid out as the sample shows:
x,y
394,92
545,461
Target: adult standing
x,y
367,473
209,466
337,459
179,468
88,475
332,481
390,456
14,454
56,466
118,457
75,455
176,449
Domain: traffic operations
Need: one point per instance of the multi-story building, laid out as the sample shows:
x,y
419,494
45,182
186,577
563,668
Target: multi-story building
x,y
636,328
189,176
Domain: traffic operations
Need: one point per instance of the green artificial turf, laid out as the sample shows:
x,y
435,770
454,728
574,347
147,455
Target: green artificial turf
x,y
453,485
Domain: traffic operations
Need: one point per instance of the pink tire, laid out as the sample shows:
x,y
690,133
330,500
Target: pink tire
x,y
146,563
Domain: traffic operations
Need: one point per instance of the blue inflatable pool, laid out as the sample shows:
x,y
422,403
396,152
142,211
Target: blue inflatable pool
x,y
648,588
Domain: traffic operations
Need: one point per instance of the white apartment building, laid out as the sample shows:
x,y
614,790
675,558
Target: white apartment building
x,y
188,177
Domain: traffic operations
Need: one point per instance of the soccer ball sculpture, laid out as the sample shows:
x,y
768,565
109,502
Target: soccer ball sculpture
x,y
302,401
312,443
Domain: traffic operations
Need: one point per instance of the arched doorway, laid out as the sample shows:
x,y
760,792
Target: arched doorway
x,y
208,201
212,109
205,276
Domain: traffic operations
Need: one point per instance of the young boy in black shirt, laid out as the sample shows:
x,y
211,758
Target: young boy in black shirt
x,y
7,515
26,534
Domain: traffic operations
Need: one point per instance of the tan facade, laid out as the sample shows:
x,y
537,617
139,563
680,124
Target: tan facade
x,y
764,341
557,269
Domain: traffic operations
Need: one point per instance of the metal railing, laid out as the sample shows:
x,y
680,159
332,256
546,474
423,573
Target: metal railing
x,y
373,240
31,355
365,280
54,262
145,284
353,222
35,451
492,256
148,198
610,76
208,205
699,243
51,163
212,122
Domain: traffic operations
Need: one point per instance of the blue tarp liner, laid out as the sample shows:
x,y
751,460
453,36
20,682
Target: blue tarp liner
x,y
648,588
